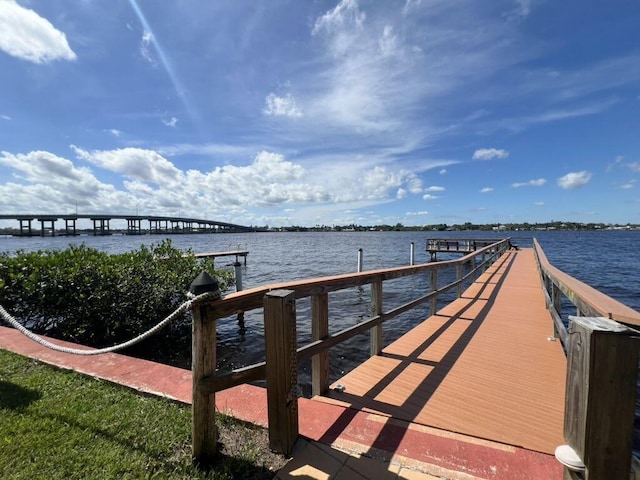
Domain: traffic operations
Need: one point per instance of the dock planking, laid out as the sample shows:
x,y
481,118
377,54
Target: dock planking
x,y
482,366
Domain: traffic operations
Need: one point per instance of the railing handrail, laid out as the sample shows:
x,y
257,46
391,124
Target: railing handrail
x,y
252,298
588,300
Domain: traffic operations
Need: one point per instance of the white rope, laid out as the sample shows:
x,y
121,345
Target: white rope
x,y
133,341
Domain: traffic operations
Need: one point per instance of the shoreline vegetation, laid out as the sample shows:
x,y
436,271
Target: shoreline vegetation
x,y
87,296
63,425
398,227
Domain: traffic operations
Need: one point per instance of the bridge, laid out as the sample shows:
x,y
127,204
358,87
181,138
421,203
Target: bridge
x,y
102,225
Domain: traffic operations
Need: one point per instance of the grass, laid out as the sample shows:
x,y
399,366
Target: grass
x,y
61,425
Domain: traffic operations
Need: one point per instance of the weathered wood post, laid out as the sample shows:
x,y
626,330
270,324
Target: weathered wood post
x,y
600,400
434,287
459,278
203,364
412,254
282,369
319,330
376,309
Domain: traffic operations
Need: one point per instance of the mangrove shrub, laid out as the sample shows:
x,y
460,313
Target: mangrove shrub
x,y
99,299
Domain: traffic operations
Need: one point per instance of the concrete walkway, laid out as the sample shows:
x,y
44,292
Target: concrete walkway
x,y
336,442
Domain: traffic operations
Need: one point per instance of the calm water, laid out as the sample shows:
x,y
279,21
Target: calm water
x,y
607,260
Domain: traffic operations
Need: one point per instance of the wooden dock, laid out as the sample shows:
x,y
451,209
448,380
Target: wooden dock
x,y
230,253
485,366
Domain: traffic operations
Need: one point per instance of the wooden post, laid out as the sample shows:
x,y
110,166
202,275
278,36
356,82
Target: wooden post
x,y
204,405
556,300
282,369
412,255
319,330
459,277
360,260
376,309
601,393
434,287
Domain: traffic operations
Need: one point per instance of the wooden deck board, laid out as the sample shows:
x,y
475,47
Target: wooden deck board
x,y
482,366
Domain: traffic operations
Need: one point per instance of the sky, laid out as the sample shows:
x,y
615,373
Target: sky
x,y
336,112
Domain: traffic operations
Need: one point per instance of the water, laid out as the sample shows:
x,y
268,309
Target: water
x,y
607,260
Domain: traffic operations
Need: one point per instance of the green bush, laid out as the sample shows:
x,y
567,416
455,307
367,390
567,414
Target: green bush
x,y
98,299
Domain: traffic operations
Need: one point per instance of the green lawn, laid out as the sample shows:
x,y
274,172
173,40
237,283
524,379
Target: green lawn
x,y
61,425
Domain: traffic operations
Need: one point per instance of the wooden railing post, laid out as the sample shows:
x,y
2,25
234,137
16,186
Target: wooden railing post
x,y
601,393
376,309
319,330
282,369
459,278
434,287
203,406
203,363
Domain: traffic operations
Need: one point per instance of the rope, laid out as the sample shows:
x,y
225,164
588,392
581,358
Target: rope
x,y
114,348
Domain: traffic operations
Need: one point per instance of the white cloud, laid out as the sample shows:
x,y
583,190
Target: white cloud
x,y
402,193
115,132
136,163
489,153
388,42
486,190
281,106
47,182
574,180
434,188
5,117
531,183
539,204
145,48
414,183
172,122
346,12
633,166
428,196
25,34
443,171
414,214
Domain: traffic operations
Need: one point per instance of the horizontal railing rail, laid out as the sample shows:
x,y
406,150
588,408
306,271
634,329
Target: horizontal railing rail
x,y
588,301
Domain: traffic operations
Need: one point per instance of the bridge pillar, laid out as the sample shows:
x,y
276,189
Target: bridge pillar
x,y
103,229
26,227
134,226
44,229
70,226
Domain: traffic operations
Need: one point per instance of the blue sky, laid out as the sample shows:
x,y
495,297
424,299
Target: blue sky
x,y
286,112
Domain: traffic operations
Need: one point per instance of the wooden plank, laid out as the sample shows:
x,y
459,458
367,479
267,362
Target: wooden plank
x,y
282,369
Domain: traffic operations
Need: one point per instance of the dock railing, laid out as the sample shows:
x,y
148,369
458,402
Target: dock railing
x,y
602,371
282,353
